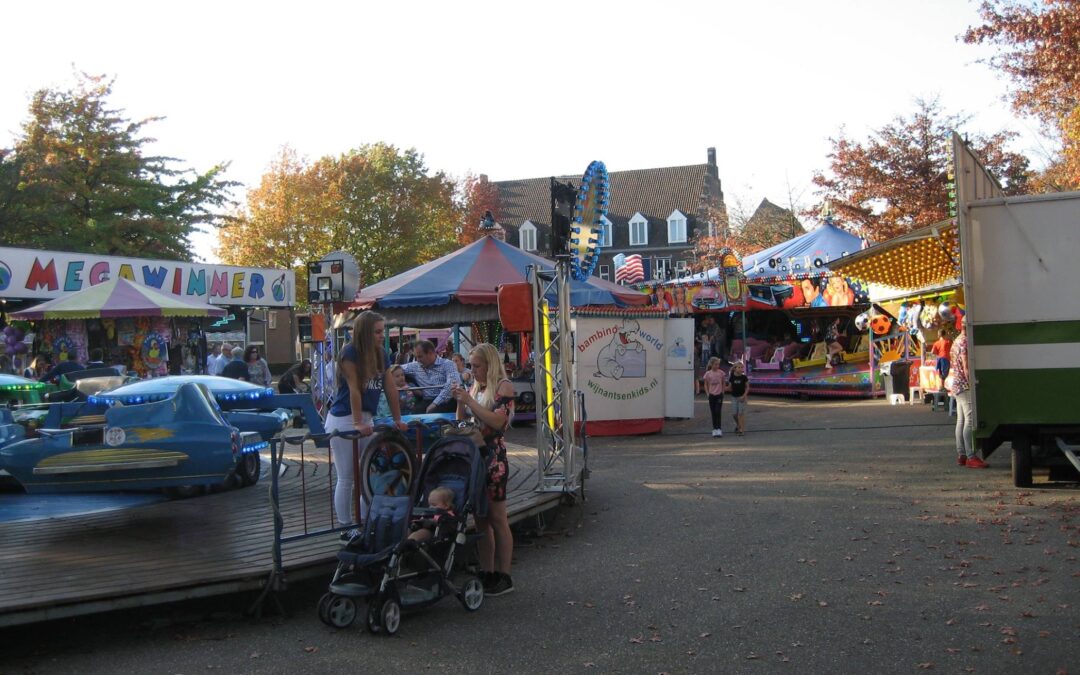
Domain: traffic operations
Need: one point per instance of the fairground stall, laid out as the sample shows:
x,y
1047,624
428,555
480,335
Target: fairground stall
x,y
917,299
150,345
784,313
460,290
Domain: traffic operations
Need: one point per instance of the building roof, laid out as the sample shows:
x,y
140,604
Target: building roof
x,y
655,193
770,217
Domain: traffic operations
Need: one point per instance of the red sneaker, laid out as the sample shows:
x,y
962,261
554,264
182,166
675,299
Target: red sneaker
x,y
961,460
976,463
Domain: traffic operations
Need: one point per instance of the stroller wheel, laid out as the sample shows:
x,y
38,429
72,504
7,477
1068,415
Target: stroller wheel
x,y
472,594
324,607
341,611
374,622
390,616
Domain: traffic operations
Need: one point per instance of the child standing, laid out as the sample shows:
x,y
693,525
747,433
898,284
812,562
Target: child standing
x,y
714,387
739,386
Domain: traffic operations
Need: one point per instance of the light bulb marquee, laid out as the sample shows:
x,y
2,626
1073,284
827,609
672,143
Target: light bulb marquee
x,y
589,211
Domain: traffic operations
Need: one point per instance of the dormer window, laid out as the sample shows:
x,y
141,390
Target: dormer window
x,y
605,232
527,236
639,230
676,228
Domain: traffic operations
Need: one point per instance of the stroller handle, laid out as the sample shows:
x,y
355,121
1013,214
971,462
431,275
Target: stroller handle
x,y
298,439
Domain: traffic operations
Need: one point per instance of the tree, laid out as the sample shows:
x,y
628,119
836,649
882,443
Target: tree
x,y
897,180
286,222
1041,53
478,195
77,179
374,202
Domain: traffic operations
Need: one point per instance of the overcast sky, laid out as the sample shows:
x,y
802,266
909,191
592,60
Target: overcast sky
x,y
514,89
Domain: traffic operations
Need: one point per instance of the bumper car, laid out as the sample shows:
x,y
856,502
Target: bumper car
x,y
179,441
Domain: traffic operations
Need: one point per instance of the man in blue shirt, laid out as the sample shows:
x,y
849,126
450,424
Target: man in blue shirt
x,y
62,368
434,376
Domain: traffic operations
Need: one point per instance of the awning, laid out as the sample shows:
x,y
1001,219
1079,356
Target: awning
x,y
925,258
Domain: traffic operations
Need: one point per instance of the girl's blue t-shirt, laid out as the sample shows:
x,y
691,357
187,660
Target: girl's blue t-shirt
x,y
341,405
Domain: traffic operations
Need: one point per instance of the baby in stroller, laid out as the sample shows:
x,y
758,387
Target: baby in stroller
x,y
392,570
443,522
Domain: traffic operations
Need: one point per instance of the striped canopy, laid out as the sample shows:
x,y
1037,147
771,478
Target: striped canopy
x,y
117,298
471,275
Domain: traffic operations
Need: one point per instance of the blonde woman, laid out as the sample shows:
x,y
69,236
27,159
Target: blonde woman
x,y
490,402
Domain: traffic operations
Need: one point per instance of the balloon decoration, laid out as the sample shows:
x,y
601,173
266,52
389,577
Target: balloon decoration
x,y
945,312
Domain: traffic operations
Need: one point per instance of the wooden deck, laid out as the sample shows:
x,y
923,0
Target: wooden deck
x,y
169,551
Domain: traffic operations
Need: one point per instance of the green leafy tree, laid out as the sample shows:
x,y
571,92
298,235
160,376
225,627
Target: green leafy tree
x,y
897,180
375,202
78,179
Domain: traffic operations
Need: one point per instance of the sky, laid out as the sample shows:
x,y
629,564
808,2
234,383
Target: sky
x,y
515,89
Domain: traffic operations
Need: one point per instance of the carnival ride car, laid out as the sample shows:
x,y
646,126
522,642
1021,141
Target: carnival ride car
x,y
178,441
165,432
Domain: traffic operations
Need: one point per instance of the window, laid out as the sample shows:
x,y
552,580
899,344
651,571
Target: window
x,y
676,228
680,269
271,320
605,232
661,268
604,272
527,236
639,230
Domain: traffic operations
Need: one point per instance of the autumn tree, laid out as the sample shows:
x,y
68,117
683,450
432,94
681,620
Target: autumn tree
x,y
1040,45
286,221
375,202
78,178
478,195
897,181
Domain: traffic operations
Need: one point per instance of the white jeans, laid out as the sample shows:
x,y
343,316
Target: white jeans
x,y
342,451
965,424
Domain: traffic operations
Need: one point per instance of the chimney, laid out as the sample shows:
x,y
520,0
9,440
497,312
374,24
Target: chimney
x,y
712,157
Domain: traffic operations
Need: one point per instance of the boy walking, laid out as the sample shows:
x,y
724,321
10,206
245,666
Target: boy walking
x,y
739,387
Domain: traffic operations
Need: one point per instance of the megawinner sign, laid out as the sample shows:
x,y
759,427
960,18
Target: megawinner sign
x,y
43,275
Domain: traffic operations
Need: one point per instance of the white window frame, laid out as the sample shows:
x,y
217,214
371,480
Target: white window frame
x,y
527,236
271,320
676,227
680,269
605,233
661,268
639,222
604,272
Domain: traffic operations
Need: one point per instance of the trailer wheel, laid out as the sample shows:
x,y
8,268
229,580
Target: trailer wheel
x,y
1021,461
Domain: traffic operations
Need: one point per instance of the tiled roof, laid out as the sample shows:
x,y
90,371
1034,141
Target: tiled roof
x,y
653,192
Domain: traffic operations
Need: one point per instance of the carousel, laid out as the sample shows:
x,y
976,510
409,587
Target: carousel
x,y
797,325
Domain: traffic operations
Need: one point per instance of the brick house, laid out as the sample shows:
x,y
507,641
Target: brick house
x,y
652,212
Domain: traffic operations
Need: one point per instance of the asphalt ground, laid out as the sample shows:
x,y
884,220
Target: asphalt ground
x,y
836,536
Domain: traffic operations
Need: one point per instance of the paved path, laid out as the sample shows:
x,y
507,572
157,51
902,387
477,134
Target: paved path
x,y
835,536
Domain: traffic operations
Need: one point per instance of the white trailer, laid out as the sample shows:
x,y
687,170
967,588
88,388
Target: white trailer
x,y
1021,278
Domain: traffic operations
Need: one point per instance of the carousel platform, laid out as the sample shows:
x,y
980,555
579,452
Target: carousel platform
x,y
846,380
58,564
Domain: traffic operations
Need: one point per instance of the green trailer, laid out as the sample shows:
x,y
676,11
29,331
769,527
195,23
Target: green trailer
x,y
1021,278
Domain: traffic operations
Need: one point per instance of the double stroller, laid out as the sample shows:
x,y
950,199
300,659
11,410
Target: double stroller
x,y
389,572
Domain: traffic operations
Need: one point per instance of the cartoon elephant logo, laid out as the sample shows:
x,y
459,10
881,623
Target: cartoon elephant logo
x,y
624,356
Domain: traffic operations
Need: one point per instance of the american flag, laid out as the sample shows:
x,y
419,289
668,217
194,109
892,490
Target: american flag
x,y
629,268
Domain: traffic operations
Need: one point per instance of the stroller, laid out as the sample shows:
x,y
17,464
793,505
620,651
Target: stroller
x,y
390,572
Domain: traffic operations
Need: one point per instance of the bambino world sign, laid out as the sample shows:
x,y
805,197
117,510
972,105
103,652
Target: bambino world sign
x,y
43,275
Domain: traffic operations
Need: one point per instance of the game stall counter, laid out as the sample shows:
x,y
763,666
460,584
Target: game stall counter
x,y
915,291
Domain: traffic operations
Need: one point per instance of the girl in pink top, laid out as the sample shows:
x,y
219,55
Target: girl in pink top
x,y
714,387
